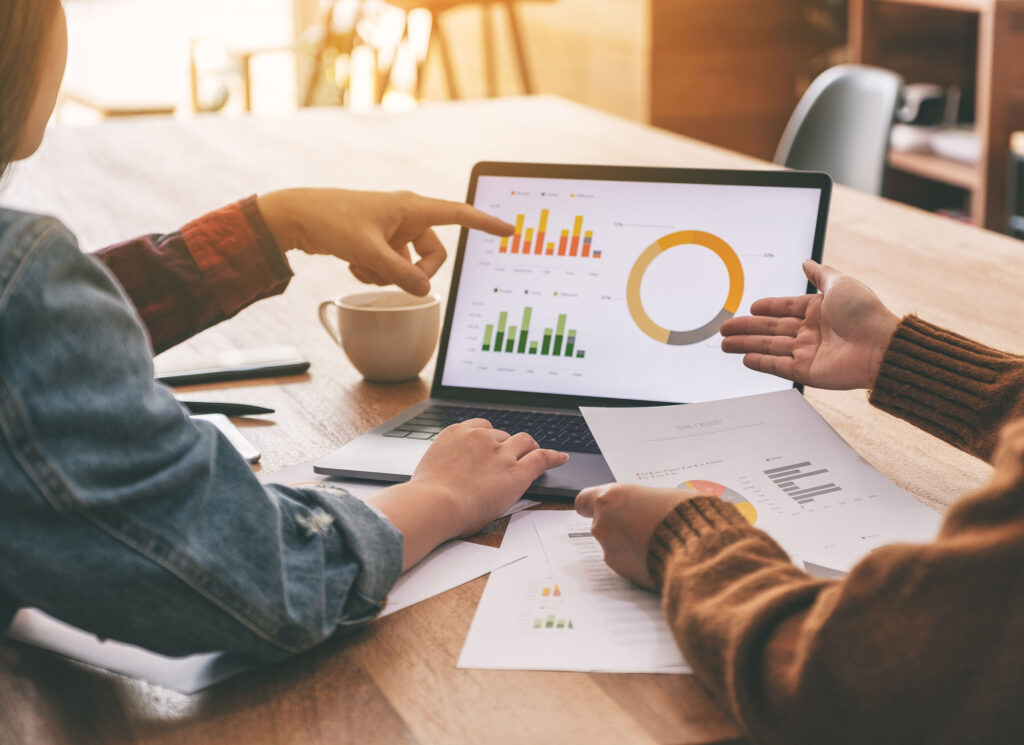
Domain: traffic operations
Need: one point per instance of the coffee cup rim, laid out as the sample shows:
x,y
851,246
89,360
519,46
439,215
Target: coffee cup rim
x,y
425,301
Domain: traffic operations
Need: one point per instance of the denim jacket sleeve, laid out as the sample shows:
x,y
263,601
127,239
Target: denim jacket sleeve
x,y
122,516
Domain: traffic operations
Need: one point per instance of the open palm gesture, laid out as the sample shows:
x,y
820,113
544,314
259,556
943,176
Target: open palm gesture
x,y
835,339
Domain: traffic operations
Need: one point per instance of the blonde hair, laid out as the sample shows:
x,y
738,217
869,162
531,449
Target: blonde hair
x,y
24,32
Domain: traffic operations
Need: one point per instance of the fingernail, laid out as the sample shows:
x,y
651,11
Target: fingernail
x,y
565,457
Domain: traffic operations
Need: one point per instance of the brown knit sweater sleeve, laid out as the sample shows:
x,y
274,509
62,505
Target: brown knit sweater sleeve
x,y
918,644
950,386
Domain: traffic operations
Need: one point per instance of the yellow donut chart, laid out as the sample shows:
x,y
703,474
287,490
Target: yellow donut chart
x,y
681,238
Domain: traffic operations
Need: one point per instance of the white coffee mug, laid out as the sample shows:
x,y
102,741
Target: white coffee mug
x,y
388,335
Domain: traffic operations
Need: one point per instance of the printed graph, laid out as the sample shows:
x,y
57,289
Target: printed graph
x,y
550,612
575,244
725,493
557,340
791,480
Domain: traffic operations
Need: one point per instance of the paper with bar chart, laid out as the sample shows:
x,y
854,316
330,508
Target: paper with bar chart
x,y
562,608
601,279
778,461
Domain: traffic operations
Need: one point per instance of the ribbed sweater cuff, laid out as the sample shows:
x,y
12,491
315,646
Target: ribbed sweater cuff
x,y
943,383
691,528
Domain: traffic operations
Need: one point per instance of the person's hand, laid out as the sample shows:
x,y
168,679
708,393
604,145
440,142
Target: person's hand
x,y
625,518
372,230
468,477
835,339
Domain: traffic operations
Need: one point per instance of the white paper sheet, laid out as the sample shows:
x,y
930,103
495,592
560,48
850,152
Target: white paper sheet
x,y
449,565
183,674
775,457
561,608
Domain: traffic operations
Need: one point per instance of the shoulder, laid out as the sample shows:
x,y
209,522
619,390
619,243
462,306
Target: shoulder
x,y
49,289
23,232
26,237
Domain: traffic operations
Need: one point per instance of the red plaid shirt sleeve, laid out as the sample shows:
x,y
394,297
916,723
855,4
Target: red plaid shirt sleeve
x,y
187,281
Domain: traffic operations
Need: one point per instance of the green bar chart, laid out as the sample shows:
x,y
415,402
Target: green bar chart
x,y
555,341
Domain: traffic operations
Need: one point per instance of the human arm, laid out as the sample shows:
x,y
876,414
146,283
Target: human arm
x,y
188,280
216,265
912,646
845,337
124,517
950,386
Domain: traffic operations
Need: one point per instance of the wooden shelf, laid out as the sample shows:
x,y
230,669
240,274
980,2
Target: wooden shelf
x,y
964,175
967,6
984,54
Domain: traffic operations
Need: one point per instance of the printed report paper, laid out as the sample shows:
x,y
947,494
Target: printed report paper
x,y
778,461
562,608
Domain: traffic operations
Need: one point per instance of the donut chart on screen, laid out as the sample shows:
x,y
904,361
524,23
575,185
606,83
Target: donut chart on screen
x,y
724,493
681,238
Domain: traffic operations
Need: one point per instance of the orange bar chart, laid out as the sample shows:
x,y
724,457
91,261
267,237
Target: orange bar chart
x,y
576,227
532,242
541,229
519,233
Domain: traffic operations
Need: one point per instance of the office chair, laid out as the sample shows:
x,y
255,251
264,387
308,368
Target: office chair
x,y
841,126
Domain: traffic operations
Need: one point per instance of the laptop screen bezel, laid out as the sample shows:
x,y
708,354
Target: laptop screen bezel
x,y
789,179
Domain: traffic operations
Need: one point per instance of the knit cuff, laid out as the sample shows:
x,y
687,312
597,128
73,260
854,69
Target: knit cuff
x,y
943,383
692,527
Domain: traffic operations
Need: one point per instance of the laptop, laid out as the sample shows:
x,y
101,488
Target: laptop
x,y
610,293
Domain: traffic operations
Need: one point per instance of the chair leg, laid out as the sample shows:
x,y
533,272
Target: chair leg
x,y
193,75
446,58
384,80
318,61
517,39
490,70
421,65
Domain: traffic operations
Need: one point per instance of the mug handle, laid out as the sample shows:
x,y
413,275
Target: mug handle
x,y
334,333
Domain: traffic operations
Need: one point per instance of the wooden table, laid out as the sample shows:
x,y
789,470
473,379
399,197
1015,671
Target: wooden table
x,y
396,682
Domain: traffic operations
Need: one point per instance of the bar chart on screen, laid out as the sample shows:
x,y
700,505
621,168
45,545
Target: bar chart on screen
x,y
558,339
572,243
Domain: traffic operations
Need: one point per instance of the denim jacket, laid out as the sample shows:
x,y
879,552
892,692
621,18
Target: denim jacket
x,y
122,516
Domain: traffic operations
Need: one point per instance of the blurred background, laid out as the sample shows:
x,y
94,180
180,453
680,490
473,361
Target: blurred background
x,y
728,72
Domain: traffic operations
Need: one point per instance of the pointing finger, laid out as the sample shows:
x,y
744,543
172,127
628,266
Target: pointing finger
x,y
443,212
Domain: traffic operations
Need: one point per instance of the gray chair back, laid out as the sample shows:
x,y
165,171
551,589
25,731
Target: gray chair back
x,y
841,126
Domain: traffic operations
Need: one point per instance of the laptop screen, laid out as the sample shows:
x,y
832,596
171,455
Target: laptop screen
x,y
616,289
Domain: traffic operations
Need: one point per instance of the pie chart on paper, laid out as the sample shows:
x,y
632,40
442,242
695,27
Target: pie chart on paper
x,y
724,493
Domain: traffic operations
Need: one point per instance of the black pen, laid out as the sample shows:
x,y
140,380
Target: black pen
x,y
224,407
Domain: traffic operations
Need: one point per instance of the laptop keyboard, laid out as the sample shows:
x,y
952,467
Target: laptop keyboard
x,y
565,432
